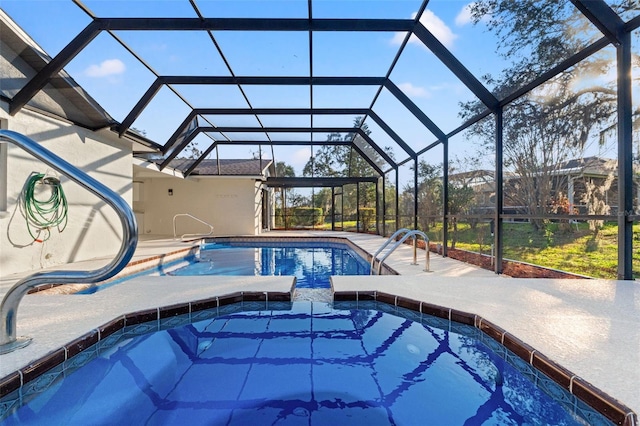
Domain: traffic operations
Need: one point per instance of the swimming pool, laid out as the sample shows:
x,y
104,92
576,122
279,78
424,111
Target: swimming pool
x,y
312,263
311,260
299,363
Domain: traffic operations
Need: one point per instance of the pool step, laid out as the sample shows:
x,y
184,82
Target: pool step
x,y
313,295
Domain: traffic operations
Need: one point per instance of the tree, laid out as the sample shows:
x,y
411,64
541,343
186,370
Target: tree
x,y
341,160
285,195
553,123
460,196
429,193
328,160
284,170
344,161
192,152
141,132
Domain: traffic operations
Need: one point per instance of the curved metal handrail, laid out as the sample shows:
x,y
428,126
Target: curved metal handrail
x,y
415,256
10,302
391,238
191,235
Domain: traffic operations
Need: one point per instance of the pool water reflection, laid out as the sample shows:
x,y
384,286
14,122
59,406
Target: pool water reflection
x,y
301,363
311,263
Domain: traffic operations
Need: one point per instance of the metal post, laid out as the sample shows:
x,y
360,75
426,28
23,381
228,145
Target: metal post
x,y
498,240
284,207
415,193
377,207
445,197
342,207
358,207
415,250
397,200
427,258
333,208
384,206
625,160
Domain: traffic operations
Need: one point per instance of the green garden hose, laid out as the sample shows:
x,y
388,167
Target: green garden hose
x,y
42,215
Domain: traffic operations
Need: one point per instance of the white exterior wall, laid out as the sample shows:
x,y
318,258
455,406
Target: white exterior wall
x,y
93,229
231,205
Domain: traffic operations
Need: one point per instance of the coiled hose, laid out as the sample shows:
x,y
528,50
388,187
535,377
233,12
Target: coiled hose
x,y
42,215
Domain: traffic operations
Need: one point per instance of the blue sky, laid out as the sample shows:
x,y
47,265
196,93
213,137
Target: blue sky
x,y
117,80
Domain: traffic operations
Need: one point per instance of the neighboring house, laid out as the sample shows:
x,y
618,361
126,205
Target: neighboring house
x,y
68,122
482,183
568,181
597,170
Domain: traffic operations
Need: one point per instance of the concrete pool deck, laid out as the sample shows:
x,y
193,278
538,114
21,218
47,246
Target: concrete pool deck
x,y
591,327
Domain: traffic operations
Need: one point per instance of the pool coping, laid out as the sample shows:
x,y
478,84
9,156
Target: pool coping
x,y
601,402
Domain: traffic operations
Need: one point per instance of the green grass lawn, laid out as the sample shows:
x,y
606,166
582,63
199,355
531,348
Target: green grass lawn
x,y
574,251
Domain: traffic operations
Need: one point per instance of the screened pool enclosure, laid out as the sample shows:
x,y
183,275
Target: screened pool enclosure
x,y
496,127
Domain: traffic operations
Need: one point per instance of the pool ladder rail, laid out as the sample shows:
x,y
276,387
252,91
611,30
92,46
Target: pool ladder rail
x,y
185,237
9,306
408,233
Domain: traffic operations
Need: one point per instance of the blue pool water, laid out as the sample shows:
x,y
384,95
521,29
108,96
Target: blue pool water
x,y
305,363
311,263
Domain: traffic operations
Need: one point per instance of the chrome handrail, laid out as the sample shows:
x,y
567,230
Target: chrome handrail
x,y
191,235
409,234
10,302
391,238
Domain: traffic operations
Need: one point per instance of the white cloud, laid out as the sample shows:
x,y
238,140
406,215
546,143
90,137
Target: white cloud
x,y
464,16
434,24
299,158
438,28
415,91
106,68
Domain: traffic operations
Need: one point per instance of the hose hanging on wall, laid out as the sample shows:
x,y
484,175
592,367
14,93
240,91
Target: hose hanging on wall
x,y
42,215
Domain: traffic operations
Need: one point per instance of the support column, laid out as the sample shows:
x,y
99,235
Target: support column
x,y
333,208
384,206
358,225
377,207
397,199
284,206
445,197
625,160
415,193
498,180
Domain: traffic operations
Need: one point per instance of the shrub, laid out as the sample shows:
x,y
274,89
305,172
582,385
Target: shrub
x,y
306,216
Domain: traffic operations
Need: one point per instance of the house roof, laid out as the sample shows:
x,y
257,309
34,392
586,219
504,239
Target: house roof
x,y
22,59
224,167
590,166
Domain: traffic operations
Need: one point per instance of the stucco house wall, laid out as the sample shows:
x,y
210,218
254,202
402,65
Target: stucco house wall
x,y
231,204
93,228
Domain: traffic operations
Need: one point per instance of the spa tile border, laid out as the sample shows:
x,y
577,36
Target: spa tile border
x,y
58,357
308,239
609,407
